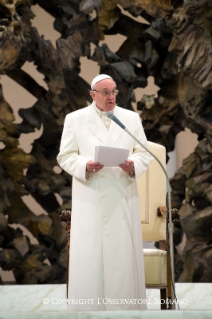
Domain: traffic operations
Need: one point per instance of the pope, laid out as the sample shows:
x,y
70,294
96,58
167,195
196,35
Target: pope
x,y
106,251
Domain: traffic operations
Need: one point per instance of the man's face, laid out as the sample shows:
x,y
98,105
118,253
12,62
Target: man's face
x,y
104,103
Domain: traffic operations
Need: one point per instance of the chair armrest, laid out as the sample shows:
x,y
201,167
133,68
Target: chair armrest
x,y
163,212
65,215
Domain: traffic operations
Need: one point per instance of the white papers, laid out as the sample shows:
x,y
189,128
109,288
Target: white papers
x,y
110,156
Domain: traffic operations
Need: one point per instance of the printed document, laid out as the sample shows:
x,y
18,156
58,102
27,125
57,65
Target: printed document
x,y
110,156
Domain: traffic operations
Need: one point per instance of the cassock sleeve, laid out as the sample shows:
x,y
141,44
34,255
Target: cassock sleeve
x,y
68,157
140,156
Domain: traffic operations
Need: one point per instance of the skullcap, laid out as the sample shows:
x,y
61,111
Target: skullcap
x,y
99,78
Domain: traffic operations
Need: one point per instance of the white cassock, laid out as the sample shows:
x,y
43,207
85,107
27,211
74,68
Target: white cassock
x,y
106,268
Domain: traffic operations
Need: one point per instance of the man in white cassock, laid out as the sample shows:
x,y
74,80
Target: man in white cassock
x,y
106,268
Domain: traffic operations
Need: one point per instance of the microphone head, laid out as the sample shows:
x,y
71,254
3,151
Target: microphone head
x,y
110,114
114,118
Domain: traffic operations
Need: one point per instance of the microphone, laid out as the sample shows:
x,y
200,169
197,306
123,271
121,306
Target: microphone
x,y
170,226
111,116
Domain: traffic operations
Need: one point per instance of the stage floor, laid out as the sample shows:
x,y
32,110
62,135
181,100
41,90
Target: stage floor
x,y
147,314
49,301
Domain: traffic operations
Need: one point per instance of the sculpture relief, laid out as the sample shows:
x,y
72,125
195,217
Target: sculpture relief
x,y
15,16
174,48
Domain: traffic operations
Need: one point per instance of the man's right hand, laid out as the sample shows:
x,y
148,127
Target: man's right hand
x,y
93,167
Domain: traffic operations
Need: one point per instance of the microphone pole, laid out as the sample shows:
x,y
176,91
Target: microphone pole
x,y
170,224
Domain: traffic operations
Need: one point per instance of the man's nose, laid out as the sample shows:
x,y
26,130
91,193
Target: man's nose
x,y
111,94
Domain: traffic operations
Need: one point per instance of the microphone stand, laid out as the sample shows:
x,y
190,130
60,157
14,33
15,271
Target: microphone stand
x,y
170,224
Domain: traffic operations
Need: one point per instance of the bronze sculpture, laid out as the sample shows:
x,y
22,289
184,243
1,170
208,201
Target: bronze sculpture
x,y
175,48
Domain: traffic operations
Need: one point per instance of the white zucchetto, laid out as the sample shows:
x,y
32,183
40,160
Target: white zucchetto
x,y
98,78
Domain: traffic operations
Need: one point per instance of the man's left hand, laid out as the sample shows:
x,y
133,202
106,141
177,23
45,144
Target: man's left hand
x,y
128,166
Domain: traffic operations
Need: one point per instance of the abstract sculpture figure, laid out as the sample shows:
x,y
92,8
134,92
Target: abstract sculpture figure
x,y
175,48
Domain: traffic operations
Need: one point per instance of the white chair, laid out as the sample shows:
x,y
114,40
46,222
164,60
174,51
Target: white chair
x,y
152,194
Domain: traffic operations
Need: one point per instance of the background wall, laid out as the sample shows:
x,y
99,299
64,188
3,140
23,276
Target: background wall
x,y
171,48
18,98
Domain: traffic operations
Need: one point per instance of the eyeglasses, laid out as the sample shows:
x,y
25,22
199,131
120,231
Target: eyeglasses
x,y
107,93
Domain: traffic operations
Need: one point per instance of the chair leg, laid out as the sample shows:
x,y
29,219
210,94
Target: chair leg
x,y
163,298
65,216
67,270
68,228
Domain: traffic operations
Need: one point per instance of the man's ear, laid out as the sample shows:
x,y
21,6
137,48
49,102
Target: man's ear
x,y
92,94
